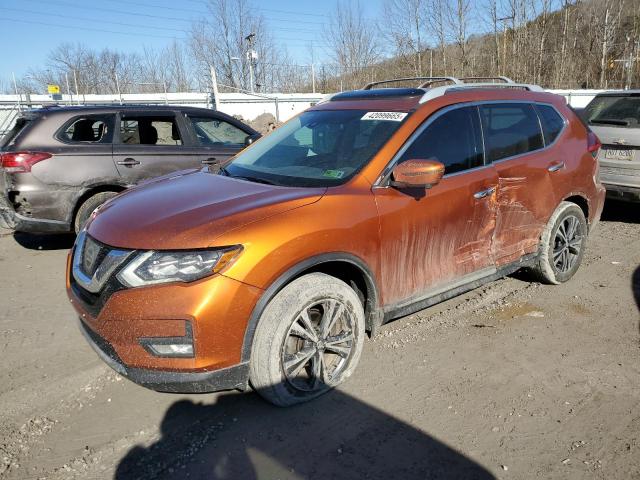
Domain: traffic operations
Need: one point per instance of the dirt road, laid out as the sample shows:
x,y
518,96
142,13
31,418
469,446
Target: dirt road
x,y
514,380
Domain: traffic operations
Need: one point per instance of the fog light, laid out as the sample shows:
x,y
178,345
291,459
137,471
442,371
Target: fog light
x,y
170,346
170,350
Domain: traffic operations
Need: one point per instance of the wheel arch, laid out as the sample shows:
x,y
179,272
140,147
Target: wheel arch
x,y
582,201
344,266
90,192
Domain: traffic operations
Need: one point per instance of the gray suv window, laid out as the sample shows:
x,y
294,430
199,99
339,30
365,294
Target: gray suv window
x,y
509,130
88,129
150,130
212,131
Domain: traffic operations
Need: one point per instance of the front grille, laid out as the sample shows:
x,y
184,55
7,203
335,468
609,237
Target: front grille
x,y
94,270
90,253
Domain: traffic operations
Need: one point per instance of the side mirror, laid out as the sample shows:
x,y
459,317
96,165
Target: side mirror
x,y
417,173
249,139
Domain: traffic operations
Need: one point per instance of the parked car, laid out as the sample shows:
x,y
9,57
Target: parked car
x,y
368,206
58,164
615,118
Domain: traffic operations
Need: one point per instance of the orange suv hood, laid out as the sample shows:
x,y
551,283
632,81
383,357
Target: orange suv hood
x,y
189,210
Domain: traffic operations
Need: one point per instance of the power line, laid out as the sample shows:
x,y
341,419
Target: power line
x,y
86,19
111,22
206,4
76,27
119,12
151,5
202,2
161,17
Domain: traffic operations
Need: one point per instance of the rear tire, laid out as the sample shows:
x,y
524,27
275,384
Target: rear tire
x,y
88,206
308,340
562,245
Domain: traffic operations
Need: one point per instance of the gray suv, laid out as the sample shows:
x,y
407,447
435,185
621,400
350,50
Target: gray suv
x,y
615,118
58,164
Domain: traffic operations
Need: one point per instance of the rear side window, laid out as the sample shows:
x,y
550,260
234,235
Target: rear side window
x,y
453,139
88,129
552,123
509,130
11,135
150,130
213,131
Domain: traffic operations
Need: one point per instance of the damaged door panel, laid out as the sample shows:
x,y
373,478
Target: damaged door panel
x,y
446,232
525,195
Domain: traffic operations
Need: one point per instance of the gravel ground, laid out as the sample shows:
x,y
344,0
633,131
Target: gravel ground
x,y
514,380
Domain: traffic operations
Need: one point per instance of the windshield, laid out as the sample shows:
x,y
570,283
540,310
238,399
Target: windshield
x,y
621,111
316,149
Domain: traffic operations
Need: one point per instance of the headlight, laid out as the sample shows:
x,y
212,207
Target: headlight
x,y
151,267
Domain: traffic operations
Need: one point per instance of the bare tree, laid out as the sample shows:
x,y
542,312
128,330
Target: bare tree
x,y
222,40
438,23
458,20
353,43
405,26
612,12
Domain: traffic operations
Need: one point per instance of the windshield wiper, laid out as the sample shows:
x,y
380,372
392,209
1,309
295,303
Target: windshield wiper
x,y
226,172
610,121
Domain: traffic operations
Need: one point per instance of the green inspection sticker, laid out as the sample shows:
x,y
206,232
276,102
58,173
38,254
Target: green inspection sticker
x,y
333,173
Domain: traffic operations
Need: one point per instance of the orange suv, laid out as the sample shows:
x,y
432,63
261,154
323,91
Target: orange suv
x,y
269,270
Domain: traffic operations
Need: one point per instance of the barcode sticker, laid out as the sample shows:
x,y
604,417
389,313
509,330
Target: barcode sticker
x,y
390,116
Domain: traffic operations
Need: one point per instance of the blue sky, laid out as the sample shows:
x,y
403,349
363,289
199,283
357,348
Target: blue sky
x,y
29,29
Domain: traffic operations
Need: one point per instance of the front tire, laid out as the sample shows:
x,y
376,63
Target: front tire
x,y
562,245
308,340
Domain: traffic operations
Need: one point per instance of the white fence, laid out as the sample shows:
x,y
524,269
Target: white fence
x,y
577,98
281,105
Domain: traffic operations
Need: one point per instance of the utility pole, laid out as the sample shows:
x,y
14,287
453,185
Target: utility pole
x,y
251,56
15,87
313,78
75,80
214,86
118,88
66,79
628,66
504,42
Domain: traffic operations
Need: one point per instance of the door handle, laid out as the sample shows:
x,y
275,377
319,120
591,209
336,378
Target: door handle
x,y
128,162
556,167
484,193
209,161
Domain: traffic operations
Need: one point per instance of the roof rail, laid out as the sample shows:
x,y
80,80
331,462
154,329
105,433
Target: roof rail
x,y
430,80
501,78
440,91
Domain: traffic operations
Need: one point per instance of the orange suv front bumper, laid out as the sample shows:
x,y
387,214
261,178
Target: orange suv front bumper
x,y
216,308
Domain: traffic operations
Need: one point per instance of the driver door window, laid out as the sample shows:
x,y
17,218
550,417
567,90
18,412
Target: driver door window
x,y
453,139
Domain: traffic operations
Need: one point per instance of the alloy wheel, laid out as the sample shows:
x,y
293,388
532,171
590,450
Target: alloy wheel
x,y
318,345
567,244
